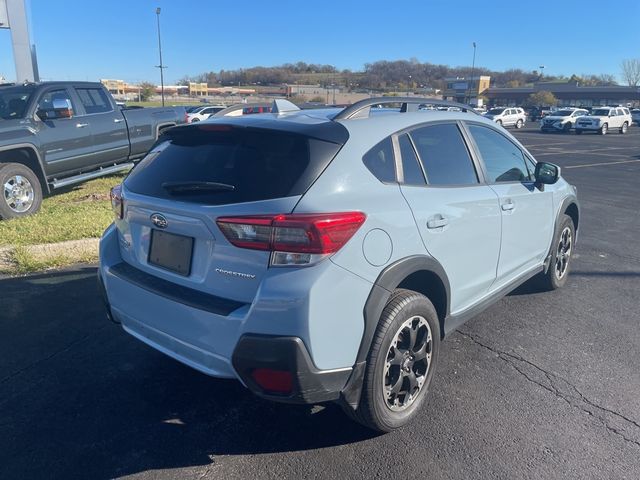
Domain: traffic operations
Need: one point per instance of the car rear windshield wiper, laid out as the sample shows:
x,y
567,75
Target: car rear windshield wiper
x,y
196,186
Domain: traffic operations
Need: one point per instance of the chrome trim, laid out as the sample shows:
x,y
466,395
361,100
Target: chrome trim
x,y
90,175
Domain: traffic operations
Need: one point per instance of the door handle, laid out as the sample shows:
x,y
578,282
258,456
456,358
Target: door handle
x,y
508,205
81,125
118,120
438,222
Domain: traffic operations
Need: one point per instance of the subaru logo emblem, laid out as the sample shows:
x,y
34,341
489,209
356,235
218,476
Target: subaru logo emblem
x,y
159,220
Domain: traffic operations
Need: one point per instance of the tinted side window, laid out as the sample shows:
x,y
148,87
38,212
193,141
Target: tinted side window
x,y
504,160
411,169
381,162
45,104
94,100
444,155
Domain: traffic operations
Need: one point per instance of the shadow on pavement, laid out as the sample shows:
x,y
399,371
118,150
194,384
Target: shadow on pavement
x,y
81,399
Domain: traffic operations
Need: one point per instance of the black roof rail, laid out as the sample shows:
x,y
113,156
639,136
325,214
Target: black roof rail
x,y
408,104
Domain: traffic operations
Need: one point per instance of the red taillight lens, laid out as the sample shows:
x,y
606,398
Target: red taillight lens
x,y
117,202
323,233
273,381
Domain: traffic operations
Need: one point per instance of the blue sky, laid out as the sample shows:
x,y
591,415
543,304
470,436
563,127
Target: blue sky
x,y
93,39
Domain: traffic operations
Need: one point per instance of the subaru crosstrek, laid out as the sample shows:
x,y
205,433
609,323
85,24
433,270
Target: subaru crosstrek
x,y
323,255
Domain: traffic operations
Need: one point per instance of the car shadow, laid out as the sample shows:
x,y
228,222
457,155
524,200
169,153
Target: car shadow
x,y
79,398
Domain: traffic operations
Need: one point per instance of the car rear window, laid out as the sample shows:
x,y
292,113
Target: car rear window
x,y
258,164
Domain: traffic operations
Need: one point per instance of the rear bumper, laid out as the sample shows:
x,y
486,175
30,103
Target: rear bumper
x,y
288,354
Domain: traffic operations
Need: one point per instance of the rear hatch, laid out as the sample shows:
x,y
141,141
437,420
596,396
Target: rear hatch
x,y
174,196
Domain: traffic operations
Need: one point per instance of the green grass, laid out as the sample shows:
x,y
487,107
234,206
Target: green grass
x,y
83,211
23,261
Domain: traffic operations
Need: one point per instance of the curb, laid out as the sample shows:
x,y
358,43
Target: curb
x,y
68,252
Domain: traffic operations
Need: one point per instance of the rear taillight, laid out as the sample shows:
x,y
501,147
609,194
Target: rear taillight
x,y
296,239
117,202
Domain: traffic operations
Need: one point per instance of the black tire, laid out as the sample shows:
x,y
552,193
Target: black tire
x,y
578,131
552,279
519,124
194,120
624,128
566,128
20,191
374,411
499,122
603,129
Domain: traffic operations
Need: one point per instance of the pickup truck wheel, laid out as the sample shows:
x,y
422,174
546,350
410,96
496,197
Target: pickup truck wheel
x,y
603,129
624,128
400,364
21,193
562,250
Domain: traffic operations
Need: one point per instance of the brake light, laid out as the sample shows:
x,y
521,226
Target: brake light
x,y
295,239
117,202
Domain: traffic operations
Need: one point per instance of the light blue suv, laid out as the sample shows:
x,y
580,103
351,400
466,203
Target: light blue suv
x,y
323,255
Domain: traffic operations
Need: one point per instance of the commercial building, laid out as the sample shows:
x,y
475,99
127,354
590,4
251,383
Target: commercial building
x,y
568,94
466,90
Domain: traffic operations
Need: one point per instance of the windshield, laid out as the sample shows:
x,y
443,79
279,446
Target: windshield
x,y
603,112
495,111
14,101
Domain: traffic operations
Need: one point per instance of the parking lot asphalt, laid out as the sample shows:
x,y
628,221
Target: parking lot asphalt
x,y
541,385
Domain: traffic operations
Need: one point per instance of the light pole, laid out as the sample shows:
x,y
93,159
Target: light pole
x,y
161,66
473,68
541,70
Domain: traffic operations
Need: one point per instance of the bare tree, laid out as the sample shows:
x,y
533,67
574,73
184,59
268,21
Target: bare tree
x,y
631,71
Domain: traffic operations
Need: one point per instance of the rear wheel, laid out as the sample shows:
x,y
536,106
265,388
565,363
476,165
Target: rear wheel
x,y
624,128
20,191
566,128
194,120
401,362
499,122
603,129
519,124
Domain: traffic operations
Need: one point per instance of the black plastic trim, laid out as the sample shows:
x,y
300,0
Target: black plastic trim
x,y
310,385
105,300
187,296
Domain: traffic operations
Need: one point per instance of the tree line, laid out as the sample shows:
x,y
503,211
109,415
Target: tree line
x,y
383,75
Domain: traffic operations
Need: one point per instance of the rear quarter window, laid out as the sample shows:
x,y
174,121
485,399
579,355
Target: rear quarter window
x,y
380,161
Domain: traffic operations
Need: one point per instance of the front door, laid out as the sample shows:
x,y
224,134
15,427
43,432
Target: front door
x,y
458,217
527,213
65,141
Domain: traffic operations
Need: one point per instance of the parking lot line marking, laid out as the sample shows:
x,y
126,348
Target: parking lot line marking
x,y
602,164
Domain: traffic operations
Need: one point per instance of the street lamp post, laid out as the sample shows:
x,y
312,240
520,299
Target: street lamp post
x,y
161,66
473,68
541,70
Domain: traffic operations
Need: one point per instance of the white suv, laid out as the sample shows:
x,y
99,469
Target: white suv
x,y
562,120
507,116
603,119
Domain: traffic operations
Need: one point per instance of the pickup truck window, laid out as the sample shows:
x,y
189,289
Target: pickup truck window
x,y
14,101
45,104
94,100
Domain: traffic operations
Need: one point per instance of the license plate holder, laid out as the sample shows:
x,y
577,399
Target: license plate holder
x,y
171,251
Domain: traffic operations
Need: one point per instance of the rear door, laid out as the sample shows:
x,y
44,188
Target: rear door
x,y
458,215
107,126
66,141
527,213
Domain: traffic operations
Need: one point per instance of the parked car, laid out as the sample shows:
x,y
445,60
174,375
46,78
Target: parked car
x,y
603,119
562,120
307,255
507,117
202,113
635,115
537,113
55,134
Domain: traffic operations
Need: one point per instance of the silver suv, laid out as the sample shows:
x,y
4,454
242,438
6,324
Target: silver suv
x,y
323,255
507,117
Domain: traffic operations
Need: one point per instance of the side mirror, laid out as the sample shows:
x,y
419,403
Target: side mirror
x,y
546,174
62,108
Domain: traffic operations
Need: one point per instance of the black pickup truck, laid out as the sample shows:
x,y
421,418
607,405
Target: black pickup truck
x,y
55,134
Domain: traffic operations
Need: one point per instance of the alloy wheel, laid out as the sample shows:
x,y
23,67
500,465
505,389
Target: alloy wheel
x,y
563,253
18,193
407,363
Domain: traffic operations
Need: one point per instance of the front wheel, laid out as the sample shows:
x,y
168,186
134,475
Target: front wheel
x,y
578,131
603,129
566,128
20,191
561,254
624,128
401,362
